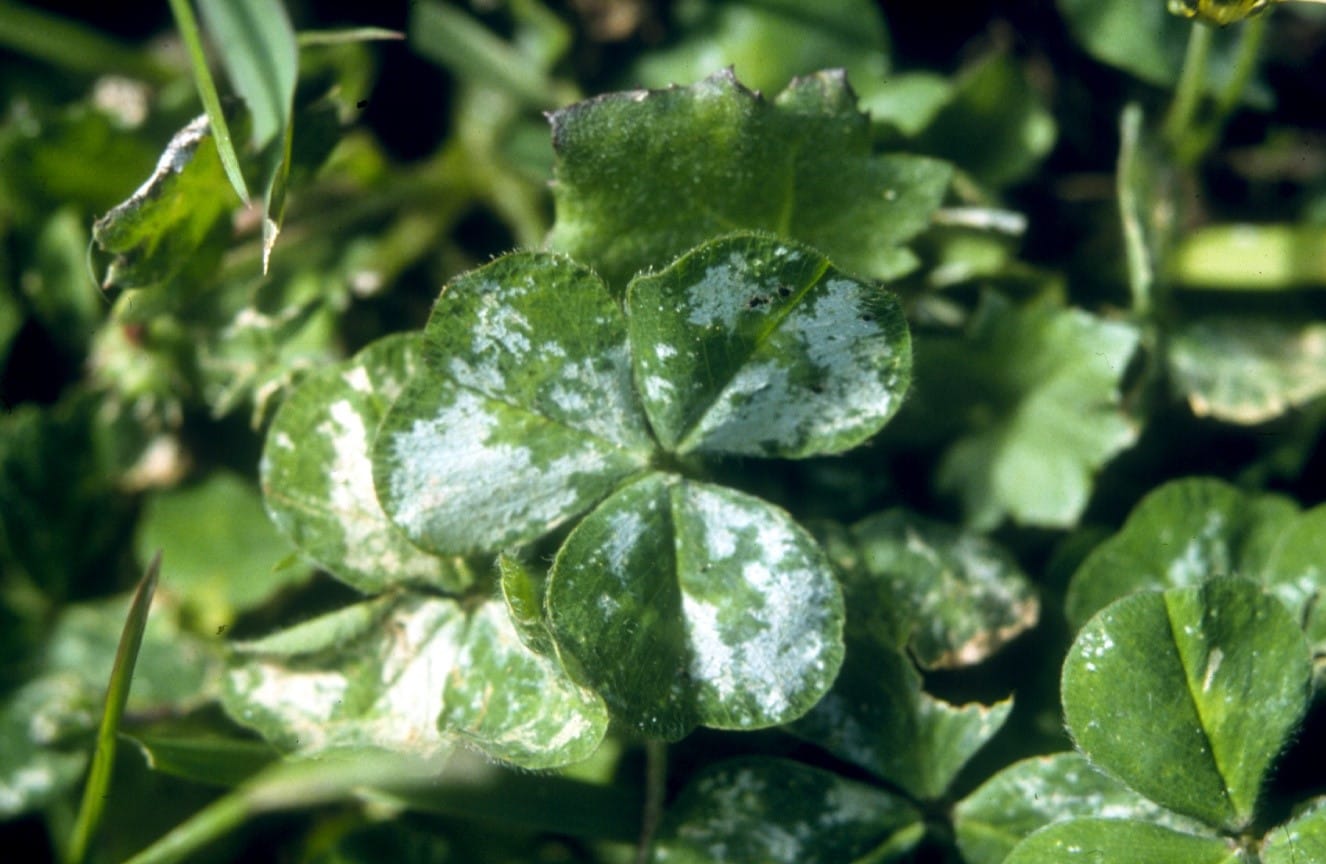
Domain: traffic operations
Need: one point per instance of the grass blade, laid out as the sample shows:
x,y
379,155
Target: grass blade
x,y
117,694
202,76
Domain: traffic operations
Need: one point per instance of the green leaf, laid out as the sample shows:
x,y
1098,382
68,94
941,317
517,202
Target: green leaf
x,y
155,233
209,759
523,590
992,102
1036,792
1295,572
97,786
367,676
515,705
317,472
1180,534
773,810
1248,371
256,44
1299,840
750,345
1120,841
877,716
1144,39
33,773
769,43
687,604
524,416
643,176
1037,388
964,597
223,550
412,674
1188,695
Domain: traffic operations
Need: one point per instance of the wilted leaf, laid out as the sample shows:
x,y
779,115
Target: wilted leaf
x,y
781,812
156,233
1188,695
720,158
524,415
687,604
412,674
317,472
754,346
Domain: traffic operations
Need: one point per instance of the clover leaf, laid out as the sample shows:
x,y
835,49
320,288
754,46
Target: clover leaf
x,y
1039,386
689,604
317,471
1188,695
643,176
752,346
524,415
775,810
412,674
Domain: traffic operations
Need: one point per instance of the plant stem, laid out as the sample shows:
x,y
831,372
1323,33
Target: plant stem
x,y
1245,62
656,780
1188,95
1141,272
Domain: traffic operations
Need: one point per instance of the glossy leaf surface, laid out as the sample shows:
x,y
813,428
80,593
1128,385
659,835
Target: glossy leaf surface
x,y
317,471
772,810
1119,841
754,346
720,158
524,414
1180,534
1188,695
688,604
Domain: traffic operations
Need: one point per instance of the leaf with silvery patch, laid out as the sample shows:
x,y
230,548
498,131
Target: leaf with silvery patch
x,y
783,812
317,472
1180,534
415,675
524,415
757,346
688,604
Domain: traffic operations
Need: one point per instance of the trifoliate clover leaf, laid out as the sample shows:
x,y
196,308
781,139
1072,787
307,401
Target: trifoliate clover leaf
x,y
643,176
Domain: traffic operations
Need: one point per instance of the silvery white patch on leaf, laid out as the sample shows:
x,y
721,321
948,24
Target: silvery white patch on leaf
x,y
688,604
317,472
